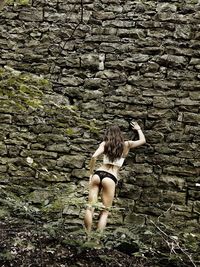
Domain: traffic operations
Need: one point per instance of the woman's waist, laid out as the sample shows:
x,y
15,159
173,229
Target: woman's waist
x,y
109,168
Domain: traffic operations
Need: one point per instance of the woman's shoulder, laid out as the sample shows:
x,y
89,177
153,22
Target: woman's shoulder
x,y
102,143
126,148
126,144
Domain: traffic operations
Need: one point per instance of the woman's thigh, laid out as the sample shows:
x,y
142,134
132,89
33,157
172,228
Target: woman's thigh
x,y
94,188
108,191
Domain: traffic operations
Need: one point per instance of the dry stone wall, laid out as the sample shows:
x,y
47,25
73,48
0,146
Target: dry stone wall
x,y
109,62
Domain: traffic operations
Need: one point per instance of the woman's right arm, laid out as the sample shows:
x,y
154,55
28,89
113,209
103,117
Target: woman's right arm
x,y
142,139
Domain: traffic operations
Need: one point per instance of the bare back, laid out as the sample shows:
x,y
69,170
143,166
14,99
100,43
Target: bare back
x,y
115,169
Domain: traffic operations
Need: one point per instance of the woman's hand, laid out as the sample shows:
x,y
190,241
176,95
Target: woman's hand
x,y
135,125
142,139
90,180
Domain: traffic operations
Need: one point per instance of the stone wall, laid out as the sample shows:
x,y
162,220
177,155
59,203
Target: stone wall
x,y
108,61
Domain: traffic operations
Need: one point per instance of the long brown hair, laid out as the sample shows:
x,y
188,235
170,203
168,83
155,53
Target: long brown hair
x,y
114,143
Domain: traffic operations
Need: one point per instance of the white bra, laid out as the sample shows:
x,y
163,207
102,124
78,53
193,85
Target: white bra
x,y
117,162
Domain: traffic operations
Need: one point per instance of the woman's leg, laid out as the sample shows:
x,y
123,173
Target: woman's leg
x,y
107,199
92,199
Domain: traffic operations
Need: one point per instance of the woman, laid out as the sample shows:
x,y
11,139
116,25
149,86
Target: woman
x,y
115,149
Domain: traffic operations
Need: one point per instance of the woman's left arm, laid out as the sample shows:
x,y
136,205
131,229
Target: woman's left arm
x,y
97,153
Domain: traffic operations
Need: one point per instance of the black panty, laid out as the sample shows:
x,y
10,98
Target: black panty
x,y
104,174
